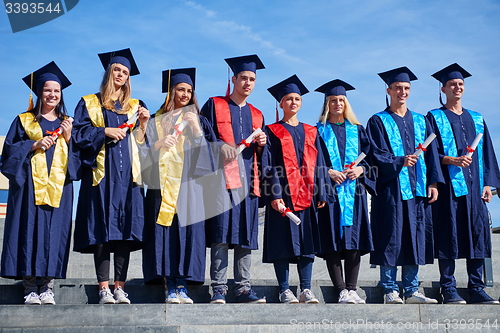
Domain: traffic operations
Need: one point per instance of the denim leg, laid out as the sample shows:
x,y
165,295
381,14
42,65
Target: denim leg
x,y
180,280
409,276
388,278
47,284
29,283
304,268
170,282
218,265
475,272
281,268
242,263
447,273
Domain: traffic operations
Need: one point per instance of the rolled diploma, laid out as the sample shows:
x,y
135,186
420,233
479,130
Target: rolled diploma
x,y
180,128
357,160
290,215
474,144
426,143
248,140
132,120
57,132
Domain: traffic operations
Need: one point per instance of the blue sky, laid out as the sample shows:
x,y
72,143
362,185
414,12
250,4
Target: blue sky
x,y
317,40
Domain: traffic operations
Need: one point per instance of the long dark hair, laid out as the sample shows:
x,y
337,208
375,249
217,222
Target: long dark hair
x,y
60,108
170,105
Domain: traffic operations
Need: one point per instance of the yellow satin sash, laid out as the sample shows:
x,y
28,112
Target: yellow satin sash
x,y
48,189
170,164
94,109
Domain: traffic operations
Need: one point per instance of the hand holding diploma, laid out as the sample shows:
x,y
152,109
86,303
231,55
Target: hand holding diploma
x,y
288,213
56,133
246,143
129,124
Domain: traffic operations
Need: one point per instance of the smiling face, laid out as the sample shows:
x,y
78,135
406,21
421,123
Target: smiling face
x,y
336,105
51,95
119,75
399,92
453,89
244,83
291,103
182,94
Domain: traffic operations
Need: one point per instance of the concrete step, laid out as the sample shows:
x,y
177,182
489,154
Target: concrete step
x,y
85,291
249,318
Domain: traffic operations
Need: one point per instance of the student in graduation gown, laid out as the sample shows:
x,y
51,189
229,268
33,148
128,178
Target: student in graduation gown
x,y
295,178
40,169
110,212
344,228
461,223
233,120
174,249
401,216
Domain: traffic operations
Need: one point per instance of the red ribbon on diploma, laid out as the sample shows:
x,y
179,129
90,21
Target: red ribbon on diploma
x,y
469,149
54,133
125,125
177,131
243,142
421,147
349,166
286,210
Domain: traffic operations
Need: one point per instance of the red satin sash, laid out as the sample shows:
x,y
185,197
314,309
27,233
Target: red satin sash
x,y
300,180
225,129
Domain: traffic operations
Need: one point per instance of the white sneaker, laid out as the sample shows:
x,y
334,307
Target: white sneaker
x,y
307,297
32,299
106,297
418,298
183,295
345,297
47,297
393,298
121,297
288,297
172,297
354,296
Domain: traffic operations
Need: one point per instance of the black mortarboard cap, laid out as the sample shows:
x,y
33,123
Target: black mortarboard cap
x,y
123,57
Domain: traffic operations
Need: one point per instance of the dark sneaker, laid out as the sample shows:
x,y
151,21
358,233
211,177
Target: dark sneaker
x,y
249,296
450,296
219,296
480,297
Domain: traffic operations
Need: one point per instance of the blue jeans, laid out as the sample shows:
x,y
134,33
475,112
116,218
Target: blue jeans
x,y
409,277
304,268
176,281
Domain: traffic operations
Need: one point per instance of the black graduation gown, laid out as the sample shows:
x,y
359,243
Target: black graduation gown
x,y
401,229
282,237
36,238
461,225
239,224
359,235
178,249
113,210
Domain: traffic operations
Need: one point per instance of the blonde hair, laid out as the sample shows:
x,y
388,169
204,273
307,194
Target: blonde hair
x,y
348,112
107,89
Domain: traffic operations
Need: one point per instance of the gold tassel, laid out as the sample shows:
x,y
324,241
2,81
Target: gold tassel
x,y
30,103
167,98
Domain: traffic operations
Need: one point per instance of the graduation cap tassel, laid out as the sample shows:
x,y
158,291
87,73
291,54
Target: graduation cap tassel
x,y
167,98
386,100
228,90
30,102
441,99
277,113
